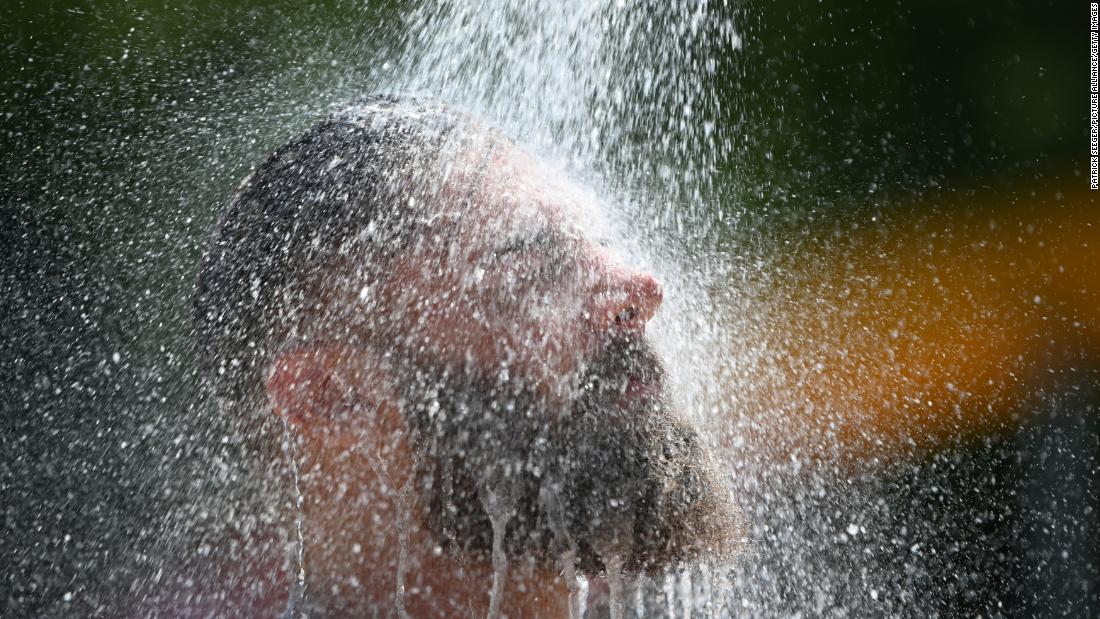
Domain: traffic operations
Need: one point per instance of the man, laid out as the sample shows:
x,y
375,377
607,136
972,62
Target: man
x,y
460,363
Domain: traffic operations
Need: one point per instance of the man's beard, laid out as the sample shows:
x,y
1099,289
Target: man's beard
x,y
616,474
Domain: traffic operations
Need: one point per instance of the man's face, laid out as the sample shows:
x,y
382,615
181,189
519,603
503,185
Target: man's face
x,y
529,382
513,274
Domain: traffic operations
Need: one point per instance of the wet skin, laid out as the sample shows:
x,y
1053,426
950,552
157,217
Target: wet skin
x,y
512,276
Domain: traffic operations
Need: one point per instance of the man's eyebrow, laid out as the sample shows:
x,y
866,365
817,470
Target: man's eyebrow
x,y
544,238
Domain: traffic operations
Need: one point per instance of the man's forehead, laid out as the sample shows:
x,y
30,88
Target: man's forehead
x,y
520,192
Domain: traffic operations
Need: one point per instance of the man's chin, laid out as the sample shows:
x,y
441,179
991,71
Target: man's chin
x,y
672,511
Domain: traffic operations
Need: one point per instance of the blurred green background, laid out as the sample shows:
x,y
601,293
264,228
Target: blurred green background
x,y
126,125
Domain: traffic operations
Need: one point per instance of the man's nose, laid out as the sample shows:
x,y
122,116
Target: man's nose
x,y
629,301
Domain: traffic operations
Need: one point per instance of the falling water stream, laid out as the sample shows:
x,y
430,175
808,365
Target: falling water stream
x,y
578,82
499,512
399,495
298,586
614,566
569,572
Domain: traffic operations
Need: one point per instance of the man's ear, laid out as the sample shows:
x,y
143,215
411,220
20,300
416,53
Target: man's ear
x,y
325,388
296,385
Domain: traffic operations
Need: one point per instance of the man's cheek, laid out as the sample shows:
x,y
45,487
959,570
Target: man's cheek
x,y
559,340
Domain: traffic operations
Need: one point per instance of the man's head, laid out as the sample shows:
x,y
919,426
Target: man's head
x,y
401,259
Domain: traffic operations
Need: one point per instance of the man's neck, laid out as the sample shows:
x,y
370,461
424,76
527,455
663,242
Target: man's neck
x,y
366,548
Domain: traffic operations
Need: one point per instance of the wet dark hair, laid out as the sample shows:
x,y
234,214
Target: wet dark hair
x,y
341,190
